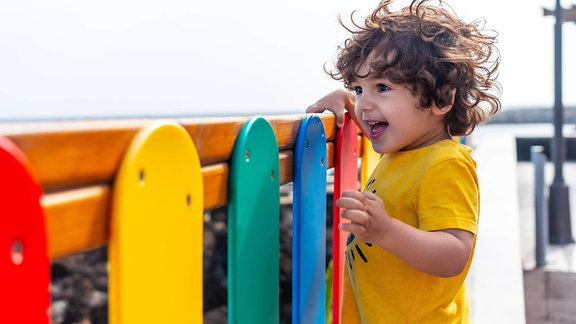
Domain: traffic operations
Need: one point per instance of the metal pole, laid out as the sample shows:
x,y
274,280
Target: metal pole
x,y
539,161
559,207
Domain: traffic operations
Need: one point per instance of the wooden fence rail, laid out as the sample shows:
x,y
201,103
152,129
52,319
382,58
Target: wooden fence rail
x,y
75,163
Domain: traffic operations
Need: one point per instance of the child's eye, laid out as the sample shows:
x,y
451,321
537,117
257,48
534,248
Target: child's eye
x,y
357,90
383,88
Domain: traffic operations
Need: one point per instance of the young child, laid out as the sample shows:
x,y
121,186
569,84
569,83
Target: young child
x,y
415,78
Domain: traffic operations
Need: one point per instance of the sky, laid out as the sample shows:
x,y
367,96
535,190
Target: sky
x,y
127,58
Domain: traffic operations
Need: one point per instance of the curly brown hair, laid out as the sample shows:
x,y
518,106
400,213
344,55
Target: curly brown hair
x,y
432,51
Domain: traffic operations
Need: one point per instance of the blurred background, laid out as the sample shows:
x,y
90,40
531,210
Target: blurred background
x,y
120,58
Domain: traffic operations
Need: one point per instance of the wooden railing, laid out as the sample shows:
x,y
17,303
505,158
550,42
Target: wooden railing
x,y
75,163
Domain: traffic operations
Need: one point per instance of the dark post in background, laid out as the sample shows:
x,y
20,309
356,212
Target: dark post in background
x,y
559,206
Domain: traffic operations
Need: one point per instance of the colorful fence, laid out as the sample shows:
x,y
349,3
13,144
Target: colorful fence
x,y
141,187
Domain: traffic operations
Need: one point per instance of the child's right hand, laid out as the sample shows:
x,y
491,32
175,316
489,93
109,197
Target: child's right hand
x,y
338,102
369,221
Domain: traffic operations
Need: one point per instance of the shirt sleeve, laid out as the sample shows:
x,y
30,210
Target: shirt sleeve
x,y
449,196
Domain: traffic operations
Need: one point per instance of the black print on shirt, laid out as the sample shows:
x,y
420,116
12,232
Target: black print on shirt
x,y
351,255
369,184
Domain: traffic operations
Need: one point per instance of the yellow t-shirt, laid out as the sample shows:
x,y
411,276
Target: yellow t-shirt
x,y
431,188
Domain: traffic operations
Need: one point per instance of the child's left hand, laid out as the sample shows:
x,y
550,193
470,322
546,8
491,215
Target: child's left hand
x,y
338,101
369,221
442,253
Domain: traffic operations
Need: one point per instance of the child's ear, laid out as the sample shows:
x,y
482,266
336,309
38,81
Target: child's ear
x,y
445,109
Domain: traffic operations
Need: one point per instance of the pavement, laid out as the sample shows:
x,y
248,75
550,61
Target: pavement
x,y
549,290
504,283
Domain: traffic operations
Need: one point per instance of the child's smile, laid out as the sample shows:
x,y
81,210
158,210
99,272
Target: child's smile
x,y
376,128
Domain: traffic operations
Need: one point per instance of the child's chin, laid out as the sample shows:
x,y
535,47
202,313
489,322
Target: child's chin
x,y
379,148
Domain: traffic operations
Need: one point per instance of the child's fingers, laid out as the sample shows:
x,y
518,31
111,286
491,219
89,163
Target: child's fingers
x,y
370,195
351,228
353,209
353,194
356,216
349,203
359,222
340,118
315,109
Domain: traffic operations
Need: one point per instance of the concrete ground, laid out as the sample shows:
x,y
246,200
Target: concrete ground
x,y
550,296
495,282
549,291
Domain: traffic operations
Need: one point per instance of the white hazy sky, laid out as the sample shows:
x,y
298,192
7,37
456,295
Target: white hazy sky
x,y
110,58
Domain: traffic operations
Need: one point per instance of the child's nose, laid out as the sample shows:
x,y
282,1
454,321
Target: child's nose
x,y
364,103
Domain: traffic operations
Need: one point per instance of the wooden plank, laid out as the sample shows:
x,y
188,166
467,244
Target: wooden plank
x,y
370,159
76,219
73,153
345,178
330,154
73,157
254,226
286,165
309,230
157,194
24,262
215,179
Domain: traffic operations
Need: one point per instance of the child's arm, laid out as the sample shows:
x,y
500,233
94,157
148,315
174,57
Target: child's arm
x,y
441,253
338,101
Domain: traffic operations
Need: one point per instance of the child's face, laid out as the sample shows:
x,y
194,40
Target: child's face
x,y
390,115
